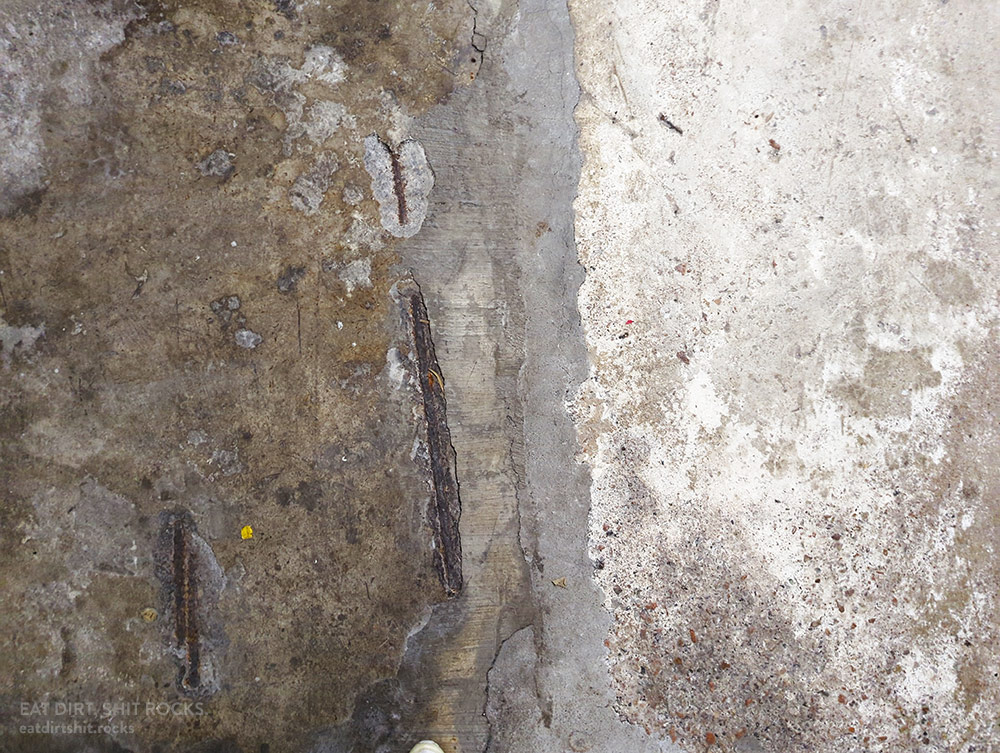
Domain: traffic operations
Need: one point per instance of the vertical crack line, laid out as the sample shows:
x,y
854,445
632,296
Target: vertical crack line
x,y
476,36
447,505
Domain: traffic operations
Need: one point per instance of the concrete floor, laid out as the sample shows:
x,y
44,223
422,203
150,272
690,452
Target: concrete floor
x,y
707,292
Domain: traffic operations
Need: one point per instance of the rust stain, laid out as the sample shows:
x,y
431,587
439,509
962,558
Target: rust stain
x,y
181,581
447,506
399,183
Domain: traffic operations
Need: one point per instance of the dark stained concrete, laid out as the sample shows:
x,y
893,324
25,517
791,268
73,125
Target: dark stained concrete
x,y
199,336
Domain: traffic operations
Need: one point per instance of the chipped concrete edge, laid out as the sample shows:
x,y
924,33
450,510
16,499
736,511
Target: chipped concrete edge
x,y
572,684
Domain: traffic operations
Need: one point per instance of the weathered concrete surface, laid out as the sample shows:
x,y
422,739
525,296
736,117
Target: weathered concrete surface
x,y
787,225
788,221
498,244
198,335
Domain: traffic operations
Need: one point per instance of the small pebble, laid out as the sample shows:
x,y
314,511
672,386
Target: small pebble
x,y
246,338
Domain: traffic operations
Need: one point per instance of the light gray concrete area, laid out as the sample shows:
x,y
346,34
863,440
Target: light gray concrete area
x,y
789,226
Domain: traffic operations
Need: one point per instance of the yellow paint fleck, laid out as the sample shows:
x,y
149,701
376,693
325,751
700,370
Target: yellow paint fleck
x,y
246,532
560,582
